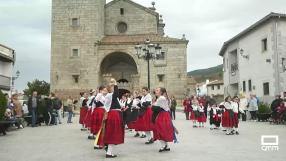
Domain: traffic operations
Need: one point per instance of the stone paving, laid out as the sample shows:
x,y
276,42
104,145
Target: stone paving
x,y
66,142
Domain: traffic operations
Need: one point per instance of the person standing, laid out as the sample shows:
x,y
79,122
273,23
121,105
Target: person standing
x,y
173,107
243,106
33,103
114,127
144,122
70,109
164,130
228,115
236,110
57,106
186,104
18,110
83,110
253,107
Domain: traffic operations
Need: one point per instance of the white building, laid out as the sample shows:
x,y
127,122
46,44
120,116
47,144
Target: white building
x,y
255,59
7,59
215,88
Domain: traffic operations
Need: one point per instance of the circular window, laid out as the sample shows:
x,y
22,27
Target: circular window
x,y
122,27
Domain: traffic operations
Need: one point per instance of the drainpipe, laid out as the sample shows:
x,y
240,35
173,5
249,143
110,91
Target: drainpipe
x,y
277,55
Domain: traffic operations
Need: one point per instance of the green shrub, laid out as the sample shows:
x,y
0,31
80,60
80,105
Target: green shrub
x,y
3,105
264,108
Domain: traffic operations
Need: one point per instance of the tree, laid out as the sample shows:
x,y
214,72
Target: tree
x,y
42,87
3,105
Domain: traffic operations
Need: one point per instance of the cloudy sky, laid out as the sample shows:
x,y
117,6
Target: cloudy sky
x,y
25,26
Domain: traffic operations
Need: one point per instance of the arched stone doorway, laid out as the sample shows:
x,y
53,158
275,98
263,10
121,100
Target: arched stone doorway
x,y
123,68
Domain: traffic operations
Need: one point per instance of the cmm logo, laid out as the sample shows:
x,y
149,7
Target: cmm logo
x,y
269,142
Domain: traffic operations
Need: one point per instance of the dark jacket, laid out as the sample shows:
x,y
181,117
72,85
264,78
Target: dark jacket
x,y
30,103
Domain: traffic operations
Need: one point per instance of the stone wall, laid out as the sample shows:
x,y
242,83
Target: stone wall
x,y
138,20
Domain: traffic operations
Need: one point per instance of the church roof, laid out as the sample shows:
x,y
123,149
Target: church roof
x,y
135,4
249,29
135,39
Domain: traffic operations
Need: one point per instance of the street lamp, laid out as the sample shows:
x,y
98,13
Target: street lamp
x,y
14,78
148,51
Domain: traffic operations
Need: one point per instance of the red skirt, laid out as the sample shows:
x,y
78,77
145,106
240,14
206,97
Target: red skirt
x,y
164,129
96,119
193,116
235,119
114,128
227,121
87,121
144,123
132,125
82,114
202,117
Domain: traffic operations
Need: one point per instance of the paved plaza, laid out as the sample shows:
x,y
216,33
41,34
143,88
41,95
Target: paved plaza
x,y
67,143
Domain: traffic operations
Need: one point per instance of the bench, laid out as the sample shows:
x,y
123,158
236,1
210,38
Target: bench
x,y
4,125
28,119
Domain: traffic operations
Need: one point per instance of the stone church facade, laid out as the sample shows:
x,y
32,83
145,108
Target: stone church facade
x,y
93,41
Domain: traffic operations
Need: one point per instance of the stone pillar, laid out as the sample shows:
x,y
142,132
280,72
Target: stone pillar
x,y
135,82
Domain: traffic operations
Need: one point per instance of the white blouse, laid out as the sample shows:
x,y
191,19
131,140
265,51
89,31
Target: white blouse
x,y
163,103
100,98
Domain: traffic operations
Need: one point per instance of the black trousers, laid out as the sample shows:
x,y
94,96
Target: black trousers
x,y
253,115
173,114
187,113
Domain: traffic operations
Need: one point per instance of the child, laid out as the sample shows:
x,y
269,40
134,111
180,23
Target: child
x,y
194,114
202,117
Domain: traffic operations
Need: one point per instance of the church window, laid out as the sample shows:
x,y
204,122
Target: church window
x,y
121,11
75,52
76,78
75,22
122,27
161,77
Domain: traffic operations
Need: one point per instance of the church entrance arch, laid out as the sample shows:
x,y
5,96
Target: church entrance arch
x,y
122,67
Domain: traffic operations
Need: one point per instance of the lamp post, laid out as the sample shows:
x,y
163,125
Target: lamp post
x,y
149,51
13,78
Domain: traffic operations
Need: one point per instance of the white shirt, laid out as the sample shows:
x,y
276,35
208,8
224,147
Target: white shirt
x,y
100,98
89,101
163,103
81,100
108,101
243,104
135,103
227,105
147,98
200,109
195,107
235,107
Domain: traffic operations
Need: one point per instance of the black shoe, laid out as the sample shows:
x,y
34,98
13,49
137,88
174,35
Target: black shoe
x,y
91,137
164,149
82,129
97,148
237,133
136,135
110,156
223,130
106,148
151,141
143,136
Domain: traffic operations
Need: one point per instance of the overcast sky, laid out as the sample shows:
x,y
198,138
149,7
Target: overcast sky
x,y
25,27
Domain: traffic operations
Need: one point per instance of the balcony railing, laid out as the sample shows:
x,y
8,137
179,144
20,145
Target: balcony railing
x,y
6,54
5,82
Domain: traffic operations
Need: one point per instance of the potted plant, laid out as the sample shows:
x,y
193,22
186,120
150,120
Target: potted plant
x,y
3,105
264,111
